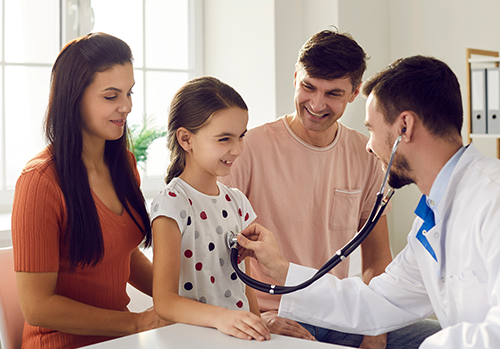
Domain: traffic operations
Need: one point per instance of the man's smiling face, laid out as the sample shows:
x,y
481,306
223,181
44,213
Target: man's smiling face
x,y
319,103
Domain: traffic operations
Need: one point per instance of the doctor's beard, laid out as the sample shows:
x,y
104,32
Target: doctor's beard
x,y
398,176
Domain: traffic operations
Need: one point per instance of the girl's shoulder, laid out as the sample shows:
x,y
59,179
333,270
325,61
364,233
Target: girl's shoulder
x,y
170,202
173,191
231,193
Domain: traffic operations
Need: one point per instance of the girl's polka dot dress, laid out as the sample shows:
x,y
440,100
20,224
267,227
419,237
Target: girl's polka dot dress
x,y
206,272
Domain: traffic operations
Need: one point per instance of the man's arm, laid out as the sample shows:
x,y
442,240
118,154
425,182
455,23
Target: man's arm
x,y
375,257
375,250
396,300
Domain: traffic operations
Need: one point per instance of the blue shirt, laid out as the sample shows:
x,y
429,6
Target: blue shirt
x,y
441,183
427,207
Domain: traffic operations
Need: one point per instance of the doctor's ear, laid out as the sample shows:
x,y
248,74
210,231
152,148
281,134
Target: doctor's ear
x,y
407,121
184,138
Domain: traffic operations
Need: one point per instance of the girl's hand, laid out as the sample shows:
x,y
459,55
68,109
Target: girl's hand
x,y
242,324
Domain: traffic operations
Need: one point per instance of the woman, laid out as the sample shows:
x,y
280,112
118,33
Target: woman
x,y
78,213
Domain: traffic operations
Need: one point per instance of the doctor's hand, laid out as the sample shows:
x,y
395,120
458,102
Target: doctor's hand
x,y
258,242
285,327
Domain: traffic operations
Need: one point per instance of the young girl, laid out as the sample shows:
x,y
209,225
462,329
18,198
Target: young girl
x,y
193,281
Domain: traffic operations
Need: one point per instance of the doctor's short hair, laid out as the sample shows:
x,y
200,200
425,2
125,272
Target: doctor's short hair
x,y
424,85
192,107
332,55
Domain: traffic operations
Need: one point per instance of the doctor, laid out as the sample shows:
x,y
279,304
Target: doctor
x,y
451,264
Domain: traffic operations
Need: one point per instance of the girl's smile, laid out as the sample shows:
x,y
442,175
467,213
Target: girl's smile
x,y
228,163
212,150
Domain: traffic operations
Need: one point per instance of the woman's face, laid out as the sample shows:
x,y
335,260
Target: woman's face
x,y
106,103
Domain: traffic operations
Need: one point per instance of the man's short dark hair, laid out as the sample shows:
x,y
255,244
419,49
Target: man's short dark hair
x,y
332,55
424,85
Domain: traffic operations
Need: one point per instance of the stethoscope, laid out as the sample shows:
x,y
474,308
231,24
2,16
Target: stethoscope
x,y
375,214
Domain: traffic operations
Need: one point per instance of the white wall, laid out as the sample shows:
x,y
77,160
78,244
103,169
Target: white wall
x,y
239,50
274,31
368,22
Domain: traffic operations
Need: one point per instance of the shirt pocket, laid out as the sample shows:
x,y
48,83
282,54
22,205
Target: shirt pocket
x,y
345,209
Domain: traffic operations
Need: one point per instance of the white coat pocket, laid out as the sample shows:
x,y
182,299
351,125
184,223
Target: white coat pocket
x,y
469,295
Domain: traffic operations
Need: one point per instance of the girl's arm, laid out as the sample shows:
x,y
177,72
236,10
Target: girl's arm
x,y
250,292
141,272
42,307
171,306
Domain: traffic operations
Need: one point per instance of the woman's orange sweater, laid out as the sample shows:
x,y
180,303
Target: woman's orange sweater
x,y
39,224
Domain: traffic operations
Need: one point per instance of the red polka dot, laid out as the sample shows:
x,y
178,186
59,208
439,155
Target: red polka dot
x,y
190,202
212,279
239,211
227,197
203,215
172,194
247,216
188,253
199,266
239,304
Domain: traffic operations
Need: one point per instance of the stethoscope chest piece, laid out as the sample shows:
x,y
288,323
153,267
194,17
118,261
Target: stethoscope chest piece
x,y
231,239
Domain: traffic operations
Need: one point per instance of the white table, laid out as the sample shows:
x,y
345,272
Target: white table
x,y
180,336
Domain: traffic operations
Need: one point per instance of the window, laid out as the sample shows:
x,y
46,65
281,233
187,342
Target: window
x,y
26,57
161,33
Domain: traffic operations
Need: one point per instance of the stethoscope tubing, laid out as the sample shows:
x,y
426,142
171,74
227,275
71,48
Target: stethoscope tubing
x,y
343,253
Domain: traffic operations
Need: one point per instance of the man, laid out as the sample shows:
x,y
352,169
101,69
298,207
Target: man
x,y
311,181
451,265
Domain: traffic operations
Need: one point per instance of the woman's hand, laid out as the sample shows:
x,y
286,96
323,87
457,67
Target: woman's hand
x,y
42,307
148,320
242,324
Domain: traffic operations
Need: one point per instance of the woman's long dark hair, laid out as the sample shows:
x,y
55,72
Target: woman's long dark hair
x,y
72,73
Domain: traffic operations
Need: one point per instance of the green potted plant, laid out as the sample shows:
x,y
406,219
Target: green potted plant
x,y
141,136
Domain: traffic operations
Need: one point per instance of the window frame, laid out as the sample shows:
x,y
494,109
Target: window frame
x,y
150,185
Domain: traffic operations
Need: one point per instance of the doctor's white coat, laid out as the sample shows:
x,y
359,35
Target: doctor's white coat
x,y
462,288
